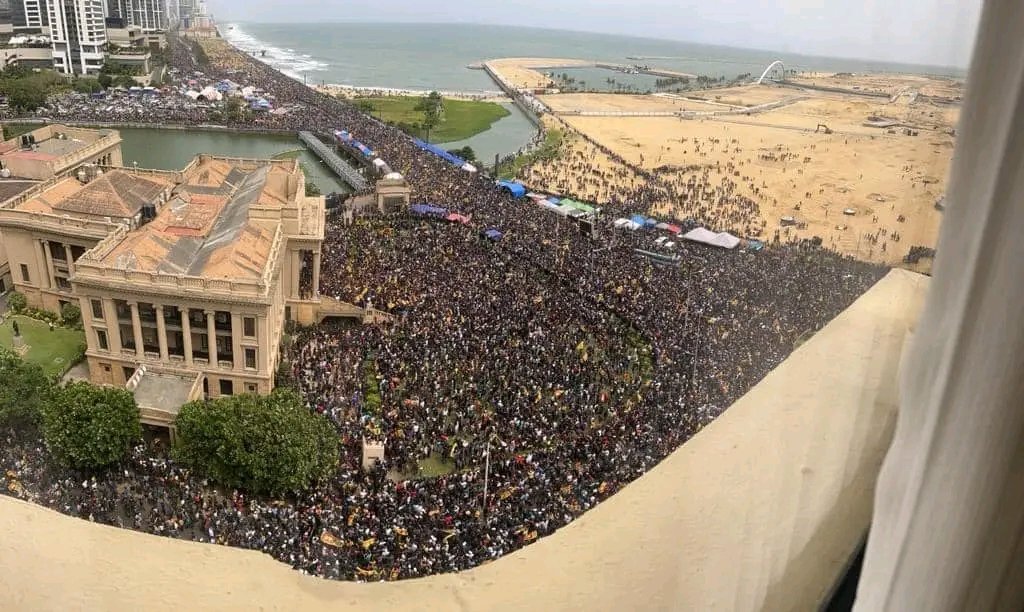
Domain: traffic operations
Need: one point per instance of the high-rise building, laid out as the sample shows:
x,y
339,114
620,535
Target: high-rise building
x,y
150,15
78,33
24,14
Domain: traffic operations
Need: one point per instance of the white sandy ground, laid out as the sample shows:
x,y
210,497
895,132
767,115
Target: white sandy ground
x,y
760,511
778,160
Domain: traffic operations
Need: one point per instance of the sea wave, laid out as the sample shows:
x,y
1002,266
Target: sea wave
x,y
288,61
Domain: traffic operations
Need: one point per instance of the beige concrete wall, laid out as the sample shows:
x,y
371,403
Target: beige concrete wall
x,y
759,511
21,249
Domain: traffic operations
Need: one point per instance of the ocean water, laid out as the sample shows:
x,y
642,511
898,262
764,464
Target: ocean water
x,y
435,56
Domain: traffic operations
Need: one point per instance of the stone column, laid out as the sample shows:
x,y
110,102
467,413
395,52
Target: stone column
x,y
161,332
296,274
264,351
41,266
186,336
71,264
140,349
316,274
113,325
211,336
236,342
51,276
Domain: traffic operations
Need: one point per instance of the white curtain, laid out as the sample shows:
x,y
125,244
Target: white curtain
x,y
948,528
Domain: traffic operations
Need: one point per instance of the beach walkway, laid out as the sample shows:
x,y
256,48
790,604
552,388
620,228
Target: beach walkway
x,y
335,163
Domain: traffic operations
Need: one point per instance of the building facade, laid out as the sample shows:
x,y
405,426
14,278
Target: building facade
x,y
150,15
185,279
194,297
78,35
26,164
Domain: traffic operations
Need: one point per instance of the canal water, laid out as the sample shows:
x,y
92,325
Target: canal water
x,y
172,149
163,149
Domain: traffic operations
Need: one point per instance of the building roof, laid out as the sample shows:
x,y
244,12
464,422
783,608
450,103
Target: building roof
x,y
12,187
118,193
205,228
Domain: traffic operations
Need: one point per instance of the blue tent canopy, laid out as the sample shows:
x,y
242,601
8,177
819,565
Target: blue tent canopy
x,y
516,189
493,234
426,210
639,220
346,138
438,151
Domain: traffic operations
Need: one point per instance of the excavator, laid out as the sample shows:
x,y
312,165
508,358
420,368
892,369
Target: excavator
x,y
824,128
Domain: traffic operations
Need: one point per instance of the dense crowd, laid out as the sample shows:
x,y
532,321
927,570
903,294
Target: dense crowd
x,y
561,364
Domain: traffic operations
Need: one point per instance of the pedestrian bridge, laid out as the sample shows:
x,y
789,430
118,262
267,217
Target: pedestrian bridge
x,y
335,163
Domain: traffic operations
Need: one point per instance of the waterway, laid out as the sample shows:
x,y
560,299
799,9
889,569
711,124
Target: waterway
x,y
173,149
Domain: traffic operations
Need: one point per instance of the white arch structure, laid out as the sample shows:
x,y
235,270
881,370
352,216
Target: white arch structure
x,y
771,67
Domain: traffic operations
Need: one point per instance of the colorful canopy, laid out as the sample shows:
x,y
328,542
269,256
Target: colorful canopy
x,y
514,188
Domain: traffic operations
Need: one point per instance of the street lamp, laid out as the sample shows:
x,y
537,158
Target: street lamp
x,y
487,475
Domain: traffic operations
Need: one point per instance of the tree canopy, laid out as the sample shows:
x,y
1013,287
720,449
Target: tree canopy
x,y
264,444
26,90
89,427
24,389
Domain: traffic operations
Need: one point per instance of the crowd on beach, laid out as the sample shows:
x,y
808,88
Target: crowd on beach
x,y
556,365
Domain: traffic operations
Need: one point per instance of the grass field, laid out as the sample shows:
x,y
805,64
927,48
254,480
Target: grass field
x,y
54,350
546,152
435,465
462,118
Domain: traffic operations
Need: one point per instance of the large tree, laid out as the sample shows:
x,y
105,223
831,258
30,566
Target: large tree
x,y
432,108
89,427
24,389
263,444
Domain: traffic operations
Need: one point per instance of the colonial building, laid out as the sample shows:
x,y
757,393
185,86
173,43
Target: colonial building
x,y
34,163
184,279
194,295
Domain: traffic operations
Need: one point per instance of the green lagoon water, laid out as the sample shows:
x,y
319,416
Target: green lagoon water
x,y
173,149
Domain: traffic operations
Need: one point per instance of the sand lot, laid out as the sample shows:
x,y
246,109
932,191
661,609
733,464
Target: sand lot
x,y
526,72
865,191
623,102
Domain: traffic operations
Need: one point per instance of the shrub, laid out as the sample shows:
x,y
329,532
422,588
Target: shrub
x,y
89,427
71,315
17,301
24,389
263,444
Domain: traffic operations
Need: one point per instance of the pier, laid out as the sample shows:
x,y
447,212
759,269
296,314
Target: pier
x,y
335,163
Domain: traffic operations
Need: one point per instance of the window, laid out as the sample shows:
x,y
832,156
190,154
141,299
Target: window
x,y
24,274
249,327
227,387
97,309
251,388
101,339
250,358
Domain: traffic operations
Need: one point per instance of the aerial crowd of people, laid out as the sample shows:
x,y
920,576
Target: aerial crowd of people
x,y
556,364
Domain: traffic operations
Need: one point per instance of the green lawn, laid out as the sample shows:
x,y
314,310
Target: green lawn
x,y
54,350
547,152
435,465
462,118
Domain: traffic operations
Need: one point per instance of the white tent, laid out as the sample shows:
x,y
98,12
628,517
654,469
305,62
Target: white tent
x,y
469,168
724,240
